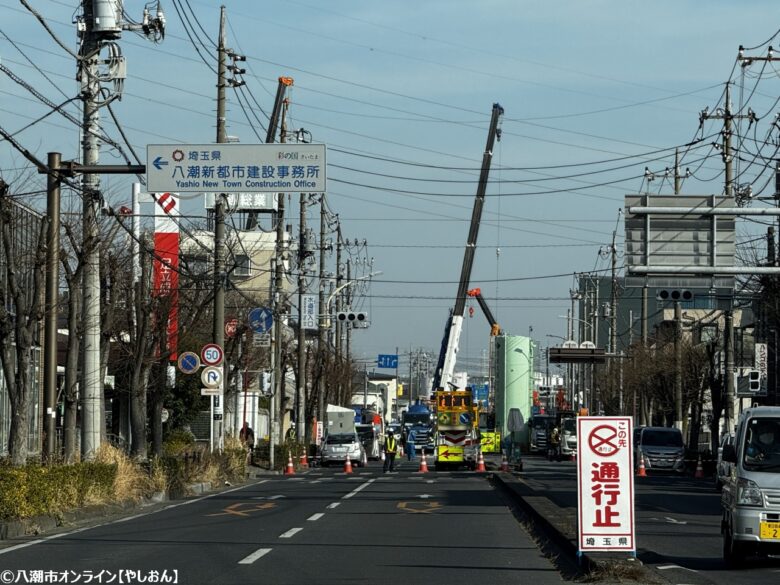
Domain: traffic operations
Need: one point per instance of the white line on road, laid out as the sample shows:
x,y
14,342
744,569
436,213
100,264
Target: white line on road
x,y
260,552
290,533
296,479
315,517
357,489
333,505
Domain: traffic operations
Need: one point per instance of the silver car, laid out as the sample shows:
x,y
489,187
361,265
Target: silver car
x,y
337,448
661,448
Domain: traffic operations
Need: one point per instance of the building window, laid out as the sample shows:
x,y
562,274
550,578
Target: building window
x,y
243,265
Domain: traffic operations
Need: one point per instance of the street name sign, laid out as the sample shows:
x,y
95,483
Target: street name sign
x,y
235,168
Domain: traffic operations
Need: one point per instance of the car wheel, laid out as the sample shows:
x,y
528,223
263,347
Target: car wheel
x,y
733,551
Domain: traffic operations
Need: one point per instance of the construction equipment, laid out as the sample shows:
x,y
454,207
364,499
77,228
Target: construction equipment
x,y
445,367
457,436
495,328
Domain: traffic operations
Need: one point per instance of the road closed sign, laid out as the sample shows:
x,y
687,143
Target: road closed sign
x,y
605,483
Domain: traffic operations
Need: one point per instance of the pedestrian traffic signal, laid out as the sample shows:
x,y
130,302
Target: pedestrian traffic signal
x,y
674,295
755,381
352,317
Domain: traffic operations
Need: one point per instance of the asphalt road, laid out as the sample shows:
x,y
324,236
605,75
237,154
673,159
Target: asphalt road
x,y
316,528
677,523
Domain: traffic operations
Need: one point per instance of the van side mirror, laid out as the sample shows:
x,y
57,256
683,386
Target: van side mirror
x,y
729,454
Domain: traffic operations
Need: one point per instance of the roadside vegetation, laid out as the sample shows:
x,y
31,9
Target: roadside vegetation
x,y
113,478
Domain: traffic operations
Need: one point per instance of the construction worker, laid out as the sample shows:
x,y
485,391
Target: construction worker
x,y
391,448
555,441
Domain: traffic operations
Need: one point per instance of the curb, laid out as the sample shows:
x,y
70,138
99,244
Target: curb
x,y
559,525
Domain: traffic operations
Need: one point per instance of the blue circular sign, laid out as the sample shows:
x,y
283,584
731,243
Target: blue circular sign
x,y
465,418
189,362
261,319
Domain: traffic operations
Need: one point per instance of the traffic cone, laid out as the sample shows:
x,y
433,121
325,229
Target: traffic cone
x,y
290,469
573,456
699,474
642,472
347,465
481,462
423,464
304,460
504,463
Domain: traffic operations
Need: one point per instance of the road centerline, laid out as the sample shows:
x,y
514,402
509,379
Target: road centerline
x,y
290,533
315,517
357,489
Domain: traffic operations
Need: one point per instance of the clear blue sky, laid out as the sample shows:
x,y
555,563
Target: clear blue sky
x,y
401,92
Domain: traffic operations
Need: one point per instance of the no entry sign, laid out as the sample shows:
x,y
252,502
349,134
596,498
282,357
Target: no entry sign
x,y
605,483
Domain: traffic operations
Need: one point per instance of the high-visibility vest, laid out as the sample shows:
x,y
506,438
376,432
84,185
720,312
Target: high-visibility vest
x,y
390,445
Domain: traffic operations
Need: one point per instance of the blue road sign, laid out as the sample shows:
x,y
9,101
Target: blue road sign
x,y
261,319
189,362
464,418
480,392
387,361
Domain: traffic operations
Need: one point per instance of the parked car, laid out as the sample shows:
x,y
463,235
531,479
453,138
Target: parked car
x,y
662,448
723,468
751,493
369,436
338,447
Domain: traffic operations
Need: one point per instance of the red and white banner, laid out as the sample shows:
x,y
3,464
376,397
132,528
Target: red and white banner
x,y
166,264
605,483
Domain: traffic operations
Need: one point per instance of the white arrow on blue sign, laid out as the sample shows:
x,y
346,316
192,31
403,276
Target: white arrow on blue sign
x,y
387,361
261,319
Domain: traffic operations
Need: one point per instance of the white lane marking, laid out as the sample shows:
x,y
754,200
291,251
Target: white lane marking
x,y
128,518
333,505
315,517
425,496
290,533
357,489
665,567
315,481
430,481
296,479
260,552
276,497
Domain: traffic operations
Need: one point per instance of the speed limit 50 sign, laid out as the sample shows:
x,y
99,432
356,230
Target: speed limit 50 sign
x,y
212,354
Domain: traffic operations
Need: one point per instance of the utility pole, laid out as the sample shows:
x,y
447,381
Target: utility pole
x,y
338,344
218,331
91,382
678,409
301,387
728,391
613,300
322,349
52,303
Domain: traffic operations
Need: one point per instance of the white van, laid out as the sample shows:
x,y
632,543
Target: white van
x,y
751,493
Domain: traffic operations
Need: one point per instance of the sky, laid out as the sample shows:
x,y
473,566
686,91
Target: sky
x,y
401,94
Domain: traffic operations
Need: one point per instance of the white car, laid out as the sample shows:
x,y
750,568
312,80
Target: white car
x,y
337,448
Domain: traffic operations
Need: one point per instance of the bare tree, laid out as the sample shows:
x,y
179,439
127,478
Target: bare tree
x,y
22,291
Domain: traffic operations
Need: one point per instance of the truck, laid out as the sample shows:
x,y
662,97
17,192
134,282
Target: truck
x,y
420,419
457,437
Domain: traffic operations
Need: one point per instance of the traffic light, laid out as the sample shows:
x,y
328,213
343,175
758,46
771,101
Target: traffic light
x,y
674,295
755,381
354,318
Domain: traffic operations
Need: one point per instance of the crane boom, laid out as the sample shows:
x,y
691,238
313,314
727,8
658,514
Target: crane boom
x,y
449,348
495,328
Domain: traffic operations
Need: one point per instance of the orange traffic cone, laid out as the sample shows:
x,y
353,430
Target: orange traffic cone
x,y
347,465
290,469
699,469
423,464
481,462
642,471
304,460
504,463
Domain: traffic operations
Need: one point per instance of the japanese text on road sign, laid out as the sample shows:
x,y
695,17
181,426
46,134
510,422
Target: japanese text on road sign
x,y
605,483
236,168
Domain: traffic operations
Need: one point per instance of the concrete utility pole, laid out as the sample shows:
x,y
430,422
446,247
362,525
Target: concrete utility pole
x,y
300,429
678,409
338,345
323,318
217,330
91,376
52,303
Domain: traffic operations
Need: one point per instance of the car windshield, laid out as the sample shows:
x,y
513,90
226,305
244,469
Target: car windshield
x,y
762,445
662,438
540,423
340,439
417,418
366,433
570,426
